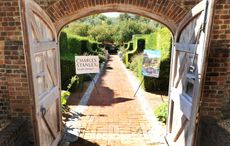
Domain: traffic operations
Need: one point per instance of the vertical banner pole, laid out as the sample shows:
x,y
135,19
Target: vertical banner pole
x,y
87,65
138,87
94,84
150,65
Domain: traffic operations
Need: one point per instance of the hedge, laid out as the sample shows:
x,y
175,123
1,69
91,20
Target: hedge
x,y
159,40
72,45
138,47
124,49
63,45
162,41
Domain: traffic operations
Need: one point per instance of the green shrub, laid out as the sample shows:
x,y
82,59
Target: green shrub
x,y
135,65
161,112
65,93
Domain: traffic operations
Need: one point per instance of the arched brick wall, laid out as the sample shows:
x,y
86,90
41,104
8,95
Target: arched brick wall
x,y
13,67
216,91
167,12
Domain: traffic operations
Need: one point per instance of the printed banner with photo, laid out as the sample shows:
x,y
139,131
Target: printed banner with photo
x,y
151,63
87,64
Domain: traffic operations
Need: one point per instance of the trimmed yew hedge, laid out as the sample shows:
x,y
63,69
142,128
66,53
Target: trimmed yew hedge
x,y
71,45
159,40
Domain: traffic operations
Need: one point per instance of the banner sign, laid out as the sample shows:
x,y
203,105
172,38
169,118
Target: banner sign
x,y
87,64
151,63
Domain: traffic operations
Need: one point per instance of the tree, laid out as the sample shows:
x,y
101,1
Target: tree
x,y
80,29
102,33
126,30
118,30
125,17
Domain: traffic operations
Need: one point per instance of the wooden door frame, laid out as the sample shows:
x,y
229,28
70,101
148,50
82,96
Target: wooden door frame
x,y
30,76
28,64
208,30
29,70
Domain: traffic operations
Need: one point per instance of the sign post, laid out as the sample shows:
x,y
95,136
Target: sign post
x,y
87,65
150,65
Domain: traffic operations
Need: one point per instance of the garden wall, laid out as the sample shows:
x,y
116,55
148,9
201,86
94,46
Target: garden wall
x,y
15,99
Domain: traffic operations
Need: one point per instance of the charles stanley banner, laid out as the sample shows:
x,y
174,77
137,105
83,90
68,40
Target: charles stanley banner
x,y
86,64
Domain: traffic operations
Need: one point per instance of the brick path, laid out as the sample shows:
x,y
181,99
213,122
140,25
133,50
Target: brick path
x,y
113,117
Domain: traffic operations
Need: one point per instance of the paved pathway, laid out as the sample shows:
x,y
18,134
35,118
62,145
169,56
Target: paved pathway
x,y
113,117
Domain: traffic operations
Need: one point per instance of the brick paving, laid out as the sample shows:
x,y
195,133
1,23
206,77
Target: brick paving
x,y
113,117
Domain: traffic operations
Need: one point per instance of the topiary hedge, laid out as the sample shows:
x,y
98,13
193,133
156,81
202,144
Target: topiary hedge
x,y
139,44
63,42
163,41
159,40
74,45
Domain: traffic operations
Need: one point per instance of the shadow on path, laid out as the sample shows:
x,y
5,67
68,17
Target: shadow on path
x,y
102,94
83,142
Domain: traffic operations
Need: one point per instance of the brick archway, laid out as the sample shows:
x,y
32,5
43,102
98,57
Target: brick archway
x,y
167,12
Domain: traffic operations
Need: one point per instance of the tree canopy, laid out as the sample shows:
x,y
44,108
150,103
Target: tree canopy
x,y
112,30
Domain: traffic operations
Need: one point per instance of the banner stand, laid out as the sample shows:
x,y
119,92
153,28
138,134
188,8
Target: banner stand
x,y
138,87
150,65
94,84
87,65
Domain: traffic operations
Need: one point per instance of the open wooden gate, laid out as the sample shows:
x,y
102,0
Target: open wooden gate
x,y
42,57
187,72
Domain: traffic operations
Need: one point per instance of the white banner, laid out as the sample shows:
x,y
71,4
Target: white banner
x,y
87,64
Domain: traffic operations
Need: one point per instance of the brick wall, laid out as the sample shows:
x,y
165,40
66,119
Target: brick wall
x,y
216,96
168,12
186,4
14,95
14,91
4,101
